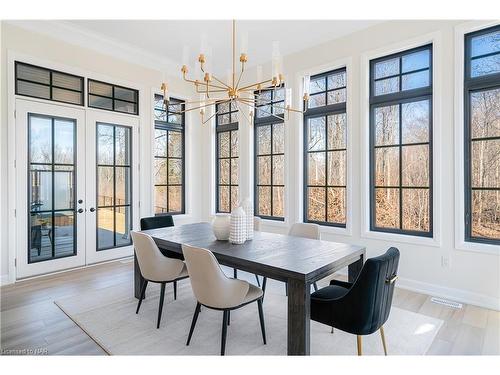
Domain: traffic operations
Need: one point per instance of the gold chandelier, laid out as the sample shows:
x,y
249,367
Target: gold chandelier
x,y
213,90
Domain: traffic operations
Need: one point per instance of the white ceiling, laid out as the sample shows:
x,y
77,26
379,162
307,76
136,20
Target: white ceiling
x,y
165,39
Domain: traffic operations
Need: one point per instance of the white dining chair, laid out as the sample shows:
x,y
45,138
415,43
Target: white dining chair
x,y
214,290
155,267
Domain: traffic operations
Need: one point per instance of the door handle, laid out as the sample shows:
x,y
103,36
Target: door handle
x,y
80,210
92,209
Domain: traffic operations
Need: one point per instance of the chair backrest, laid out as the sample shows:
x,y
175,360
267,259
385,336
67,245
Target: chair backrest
x,y
153,264
371,295
256,223
306,230
155,222
211,286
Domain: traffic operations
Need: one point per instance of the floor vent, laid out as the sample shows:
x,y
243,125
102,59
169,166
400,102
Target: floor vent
x,y
445,302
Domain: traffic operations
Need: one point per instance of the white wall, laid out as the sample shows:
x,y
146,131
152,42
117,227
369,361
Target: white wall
x,y
90,63
472,277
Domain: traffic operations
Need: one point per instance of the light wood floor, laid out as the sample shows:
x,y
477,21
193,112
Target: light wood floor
x,y
31,321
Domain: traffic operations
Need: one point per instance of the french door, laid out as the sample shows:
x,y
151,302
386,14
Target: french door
x,y
75,178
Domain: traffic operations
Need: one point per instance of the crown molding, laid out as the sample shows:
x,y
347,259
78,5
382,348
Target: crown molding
x,y
64,31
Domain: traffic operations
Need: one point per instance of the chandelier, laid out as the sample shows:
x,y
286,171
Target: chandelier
x,y
213,90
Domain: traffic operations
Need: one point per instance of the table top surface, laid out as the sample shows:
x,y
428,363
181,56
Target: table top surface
x,y
268,254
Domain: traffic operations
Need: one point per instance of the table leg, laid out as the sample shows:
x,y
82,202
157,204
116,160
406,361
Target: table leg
x,y
299,312
355,268
138,279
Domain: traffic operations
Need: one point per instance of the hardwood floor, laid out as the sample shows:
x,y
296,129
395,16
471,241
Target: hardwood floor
x,y
32,324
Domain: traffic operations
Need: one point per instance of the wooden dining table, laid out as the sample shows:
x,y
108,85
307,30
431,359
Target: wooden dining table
x,y
295,260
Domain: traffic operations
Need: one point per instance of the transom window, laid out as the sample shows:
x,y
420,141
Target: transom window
x,y
482,136
325,150
112,97
227,151
43,83
169,157
269,133
401,142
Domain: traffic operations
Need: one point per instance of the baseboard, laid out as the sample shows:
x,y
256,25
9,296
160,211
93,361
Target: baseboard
x,y
5,280
449,293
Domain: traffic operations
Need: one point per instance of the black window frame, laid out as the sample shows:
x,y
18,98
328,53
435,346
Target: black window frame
x,y
323,111
172,127
113,97
222,128
50,85
471,85
399,98
271,120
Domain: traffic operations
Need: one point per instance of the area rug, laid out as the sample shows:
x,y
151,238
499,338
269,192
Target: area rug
x,y
108,316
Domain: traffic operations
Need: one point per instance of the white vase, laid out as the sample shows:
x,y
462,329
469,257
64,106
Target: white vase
x,y
238,231
248,208
221,226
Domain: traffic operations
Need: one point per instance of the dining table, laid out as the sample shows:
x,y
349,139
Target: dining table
x,y
297,261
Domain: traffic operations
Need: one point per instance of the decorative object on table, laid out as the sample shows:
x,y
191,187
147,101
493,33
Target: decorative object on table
x,y
247,206
238,232
221,226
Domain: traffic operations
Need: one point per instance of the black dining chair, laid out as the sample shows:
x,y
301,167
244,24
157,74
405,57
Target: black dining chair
x,y
362,307
156,222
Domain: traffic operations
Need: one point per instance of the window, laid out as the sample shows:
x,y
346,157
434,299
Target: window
x,y
112,97
401,143
169,157
38,82
325,150
482,136
269,135
226,156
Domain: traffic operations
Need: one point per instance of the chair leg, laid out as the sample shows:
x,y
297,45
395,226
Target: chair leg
x,y
315,287
261,318
382,335
332,330
286,289
360,348
193,323
264,283
235,273
175,290
258,281
224,333
228,317
160,308
143,292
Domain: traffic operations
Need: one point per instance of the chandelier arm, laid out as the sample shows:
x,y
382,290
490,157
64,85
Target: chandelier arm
x,y
249,87
243,112
218,80
241,74
198,107
196,83
272,114
214,114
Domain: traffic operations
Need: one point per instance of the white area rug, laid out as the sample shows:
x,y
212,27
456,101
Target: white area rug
x,y
108,317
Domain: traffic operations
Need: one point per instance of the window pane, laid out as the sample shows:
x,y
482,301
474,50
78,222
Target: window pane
x,y
174,171
224,199
66,96
161,199
337,80
337,96
415,80
316,133
105,141
485,65
125,107
174,144
416,209
40,139
387,125
64,190
317,100
264,197
387,68
175,198
224,171
122,145
415,121
415,61
264,170
316,204
336,205
234,197
387,86
223,107
387,208
125,94
234,143
66,81
337,168
279,170
63,233
387,166
485,166
485,214
415,168
278,201
316,168
160,142
279,138
224,145
102,89
264,139
33,89
160,171
122,233
40,246
175,119
122,185
105,227
99,102
485,44
33,73
41,188
223,119
485,113
264,111
105,183
234,171
317,85
160,115
337,134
